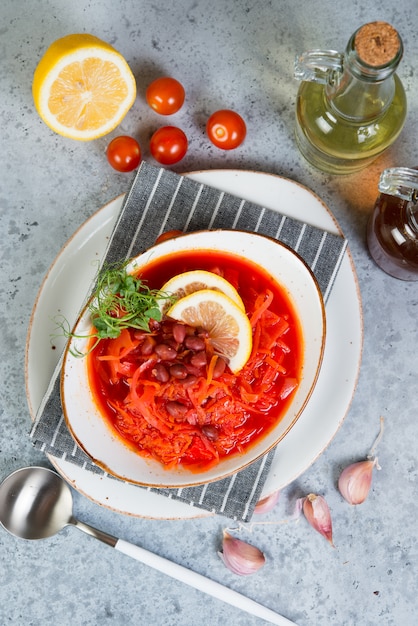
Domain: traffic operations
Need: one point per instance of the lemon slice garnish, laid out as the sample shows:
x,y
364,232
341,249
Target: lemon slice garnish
x,y
226,323
196,280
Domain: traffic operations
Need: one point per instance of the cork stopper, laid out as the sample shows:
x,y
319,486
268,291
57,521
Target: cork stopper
x,y
377,43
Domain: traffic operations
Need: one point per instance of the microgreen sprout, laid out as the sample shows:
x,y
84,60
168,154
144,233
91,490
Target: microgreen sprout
x,y
120,300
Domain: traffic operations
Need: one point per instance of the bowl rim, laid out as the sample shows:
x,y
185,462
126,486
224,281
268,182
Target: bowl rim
x,y
194,480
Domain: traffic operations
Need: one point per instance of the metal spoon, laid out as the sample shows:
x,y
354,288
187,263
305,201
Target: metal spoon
x,y
36,503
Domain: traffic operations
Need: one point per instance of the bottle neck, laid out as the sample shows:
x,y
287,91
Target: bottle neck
x,y
363,91
400,182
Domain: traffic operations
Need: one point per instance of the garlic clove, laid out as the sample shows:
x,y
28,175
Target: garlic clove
x,y
267,504
355,481
240,557
316,511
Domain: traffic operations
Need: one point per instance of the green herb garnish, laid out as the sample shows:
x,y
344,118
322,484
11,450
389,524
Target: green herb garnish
x,y
120,301
123,301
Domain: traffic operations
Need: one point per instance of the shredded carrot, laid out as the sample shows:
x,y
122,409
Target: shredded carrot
x,y
262,304
275,365
211,368
268,378
256,340
201,392
277,331
249,397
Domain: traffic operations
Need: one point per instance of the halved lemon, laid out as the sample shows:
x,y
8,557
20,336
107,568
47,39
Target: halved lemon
x,y
82,87
196,280
227,324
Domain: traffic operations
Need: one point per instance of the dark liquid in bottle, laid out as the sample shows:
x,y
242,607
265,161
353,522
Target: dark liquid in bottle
x,y
392,236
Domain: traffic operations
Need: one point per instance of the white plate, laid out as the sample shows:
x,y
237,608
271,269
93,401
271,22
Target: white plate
x,y
67,282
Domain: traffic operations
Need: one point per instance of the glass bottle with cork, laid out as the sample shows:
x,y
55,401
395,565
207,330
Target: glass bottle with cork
x,y
392,230
350,106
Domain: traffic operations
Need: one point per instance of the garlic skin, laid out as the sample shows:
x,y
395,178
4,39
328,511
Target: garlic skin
x,y
355,481
240,557
267,504
316,511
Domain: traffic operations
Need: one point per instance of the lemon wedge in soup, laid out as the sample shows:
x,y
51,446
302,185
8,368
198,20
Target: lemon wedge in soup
x,y
226,323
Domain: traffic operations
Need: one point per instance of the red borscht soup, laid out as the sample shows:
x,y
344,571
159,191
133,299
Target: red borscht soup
x,y
170,398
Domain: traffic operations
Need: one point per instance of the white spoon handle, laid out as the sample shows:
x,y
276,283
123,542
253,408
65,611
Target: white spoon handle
x,y
201,583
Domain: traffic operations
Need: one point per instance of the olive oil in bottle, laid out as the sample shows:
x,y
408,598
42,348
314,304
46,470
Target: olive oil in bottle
x,y
350,107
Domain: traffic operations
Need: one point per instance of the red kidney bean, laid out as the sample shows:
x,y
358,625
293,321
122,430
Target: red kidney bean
x,y
195,343
179,332
160,373
210,432
165,352
196,371
219,368
176,409
147,346
199,359
154,326
170,341
178,371
189,381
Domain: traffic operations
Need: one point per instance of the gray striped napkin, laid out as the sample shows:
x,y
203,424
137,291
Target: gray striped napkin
x,y
160,200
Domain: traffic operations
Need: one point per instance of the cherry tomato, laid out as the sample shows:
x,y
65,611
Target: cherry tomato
x,y
124,153
168,145
165,95
169,234
226,129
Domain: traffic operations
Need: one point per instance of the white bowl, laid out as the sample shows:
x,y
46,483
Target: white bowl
x,y
90,429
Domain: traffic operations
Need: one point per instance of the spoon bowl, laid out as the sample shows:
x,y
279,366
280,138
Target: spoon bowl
x,y
35,503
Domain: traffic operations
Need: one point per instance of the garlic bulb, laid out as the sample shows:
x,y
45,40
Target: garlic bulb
x,y
355,481
267,504
240,557
316,511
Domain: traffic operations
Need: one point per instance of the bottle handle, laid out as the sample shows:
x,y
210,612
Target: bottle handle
x,y
319,66
401,182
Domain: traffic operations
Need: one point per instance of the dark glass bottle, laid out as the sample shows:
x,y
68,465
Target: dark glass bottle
x,y
350,106
392,231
